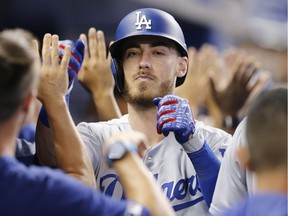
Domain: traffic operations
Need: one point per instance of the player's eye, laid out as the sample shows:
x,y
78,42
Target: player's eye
x,y
158,53
131,53
159,50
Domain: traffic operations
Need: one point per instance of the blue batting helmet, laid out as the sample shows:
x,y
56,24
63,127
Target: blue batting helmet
x,y
150,22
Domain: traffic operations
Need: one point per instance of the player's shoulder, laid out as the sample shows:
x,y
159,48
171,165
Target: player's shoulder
x,y
121,122
210,132
239,136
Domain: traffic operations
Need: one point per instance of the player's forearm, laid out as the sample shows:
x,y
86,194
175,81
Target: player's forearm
x,y
45,150
106,105
140,186
207,168
71,154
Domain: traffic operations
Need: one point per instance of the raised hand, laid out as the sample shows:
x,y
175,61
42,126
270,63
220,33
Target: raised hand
x,y
231,98
174,114
53,78
201,64
95,74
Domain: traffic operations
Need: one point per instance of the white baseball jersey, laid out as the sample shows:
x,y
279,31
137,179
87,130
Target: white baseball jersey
x,y
234,181
166,160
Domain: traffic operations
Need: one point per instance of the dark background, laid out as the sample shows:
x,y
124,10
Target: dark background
x,y
219,22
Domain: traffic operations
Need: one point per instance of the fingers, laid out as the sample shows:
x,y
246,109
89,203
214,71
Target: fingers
x,y
46,49
101,45
212,87
247,68
36,49
92,36
65,60
97,44
86,50
50,54
191,56
54,53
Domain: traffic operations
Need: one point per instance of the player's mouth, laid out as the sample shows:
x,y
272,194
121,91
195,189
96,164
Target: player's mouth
x,y
144,77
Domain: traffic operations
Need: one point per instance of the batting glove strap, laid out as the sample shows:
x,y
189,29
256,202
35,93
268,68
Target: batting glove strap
x,y
194,144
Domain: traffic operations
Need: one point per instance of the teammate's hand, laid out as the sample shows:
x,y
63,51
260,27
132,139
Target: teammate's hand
x,y
53,78
174,114
132,137
95,74
76,59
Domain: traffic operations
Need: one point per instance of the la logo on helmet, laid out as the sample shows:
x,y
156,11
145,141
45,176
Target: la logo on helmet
x,y
142,21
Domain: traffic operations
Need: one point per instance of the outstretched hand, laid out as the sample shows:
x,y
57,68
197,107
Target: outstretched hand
x,y
53,79
233,96
174,114
201,64
95,74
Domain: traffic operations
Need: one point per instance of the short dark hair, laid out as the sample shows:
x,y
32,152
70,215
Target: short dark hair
x,y
17,69
267,130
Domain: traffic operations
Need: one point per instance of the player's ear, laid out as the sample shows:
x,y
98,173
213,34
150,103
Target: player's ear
x,y
28,101
182,66
243,155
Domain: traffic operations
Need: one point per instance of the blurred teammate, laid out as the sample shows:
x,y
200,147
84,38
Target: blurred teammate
x,y
263,157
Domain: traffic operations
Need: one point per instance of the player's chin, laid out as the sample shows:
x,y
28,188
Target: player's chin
x,y
140,95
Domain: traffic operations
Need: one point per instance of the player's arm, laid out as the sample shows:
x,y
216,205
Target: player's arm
x,y
69,150
122,152
96,76
174,115
233,180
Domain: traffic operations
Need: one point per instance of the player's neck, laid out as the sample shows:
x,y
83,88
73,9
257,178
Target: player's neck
x,y
145,122
273,181
8,133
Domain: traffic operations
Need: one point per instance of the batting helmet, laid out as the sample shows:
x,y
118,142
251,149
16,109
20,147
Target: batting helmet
x,y
149,22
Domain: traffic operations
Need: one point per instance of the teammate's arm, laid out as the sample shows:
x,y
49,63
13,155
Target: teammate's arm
x,y
138,185
68,152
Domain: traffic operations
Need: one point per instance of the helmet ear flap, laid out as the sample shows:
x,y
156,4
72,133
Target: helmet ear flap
x,y
117,72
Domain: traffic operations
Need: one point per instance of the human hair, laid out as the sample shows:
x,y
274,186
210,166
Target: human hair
x,y
18,67
267,130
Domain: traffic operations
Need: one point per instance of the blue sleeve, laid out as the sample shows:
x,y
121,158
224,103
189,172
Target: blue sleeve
x,y
27,132
25,152
46,192
43,116
207,166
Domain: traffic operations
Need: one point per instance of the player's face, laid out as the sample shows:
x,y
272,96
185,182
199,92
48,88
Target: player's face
x,y
151,66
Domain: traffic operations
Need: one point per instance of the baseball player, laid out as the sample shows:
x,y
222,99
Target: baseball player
x,y
256,183
149,60
234,181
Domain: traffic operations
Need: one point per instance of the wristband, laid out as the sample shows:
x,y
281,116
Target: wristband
x,y
194,144
118,150
207,166
43,116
